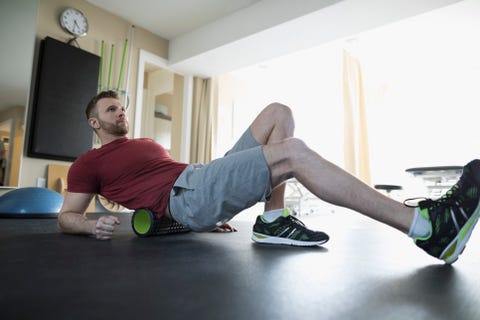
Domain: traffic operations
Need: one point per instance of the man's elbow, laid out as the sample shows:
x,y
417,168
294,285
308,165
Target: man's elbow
x,y
65,223
61,222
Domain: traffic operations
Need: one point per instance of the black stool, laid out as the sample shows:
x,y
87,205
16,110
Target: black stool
x,y
388,188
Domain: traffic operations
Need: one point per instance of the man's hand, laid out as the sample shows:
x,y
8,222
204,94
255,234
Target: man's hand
x,y
105,226
225,228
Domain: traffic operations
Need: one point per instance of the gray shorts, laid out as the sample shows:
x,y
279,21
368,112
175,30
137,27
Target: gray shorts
x,y
208,195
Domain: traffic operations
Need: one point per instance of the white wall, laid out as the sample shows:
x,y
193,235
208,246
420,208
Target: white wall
x,y
273,28
18,25
422,79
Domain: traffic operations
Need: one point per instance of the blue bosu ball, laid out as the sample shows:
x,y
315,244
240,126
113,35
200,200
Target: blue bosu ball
x,y
30,203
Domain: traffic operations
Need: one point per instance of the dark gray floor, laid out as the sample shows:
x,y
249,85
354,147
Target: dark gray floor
x,y
366,271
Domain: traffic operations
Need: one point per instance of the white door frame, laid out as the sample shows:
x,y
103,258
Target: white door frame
x,y
150,58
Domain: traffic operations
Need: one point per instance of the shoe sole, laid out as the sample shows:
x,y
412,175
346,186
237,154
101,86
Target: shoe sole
x,y
264,239
451,253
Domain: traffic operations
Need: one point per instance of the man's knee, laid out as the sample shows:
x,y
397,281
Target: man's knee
x,y
291,151
279,110
285,157
273,124
294,147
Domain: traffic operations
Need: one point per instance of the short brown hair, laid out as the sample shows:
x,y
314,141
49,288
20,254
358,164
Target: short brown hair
x,y
94,100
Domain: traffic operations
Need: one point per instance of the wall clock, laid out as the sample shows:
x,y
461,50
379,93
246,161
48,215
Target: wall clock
x,y
74,22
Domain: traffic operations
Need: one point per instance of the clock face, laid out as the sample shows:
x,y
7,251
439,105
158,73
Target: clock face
x,y
75,22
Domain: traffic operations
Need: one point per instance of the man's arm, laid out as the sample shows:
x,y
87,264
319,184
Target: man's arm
x,y
71,218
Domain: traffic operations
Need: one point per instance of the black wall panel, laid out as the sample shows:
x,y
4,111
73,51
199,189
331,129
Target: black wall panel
x,y
67,78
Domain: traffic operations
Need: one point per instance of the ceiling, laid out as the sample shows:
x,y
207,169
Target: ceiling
x,y
211,37
172,18
198,29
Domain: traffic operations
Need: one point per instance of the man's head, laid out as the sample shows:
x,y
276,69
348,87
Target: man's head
x,y
106,115
90,110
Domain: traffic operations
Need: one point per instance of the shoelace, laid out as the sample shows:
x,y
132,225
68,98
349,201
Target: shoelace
x,y
447,200
406,201
295,220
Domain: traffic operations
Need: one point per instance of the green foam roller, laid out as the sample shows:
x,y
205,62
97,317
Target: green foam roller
x,y
146,224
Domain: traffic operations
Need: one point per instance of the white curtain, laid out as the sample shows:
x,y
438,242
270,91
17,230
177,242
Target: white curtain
x,y
356,150
203,119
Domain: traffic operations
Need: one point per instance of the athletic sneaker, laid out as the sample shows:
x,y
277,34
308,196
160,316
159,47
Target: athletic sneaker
x,y
287,230
453,216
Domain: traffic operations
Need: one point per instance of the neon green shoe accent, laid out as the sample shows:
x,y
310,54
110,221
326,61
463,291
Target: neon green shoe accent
x,y
259,236
424,213
450,251
286,213
466,228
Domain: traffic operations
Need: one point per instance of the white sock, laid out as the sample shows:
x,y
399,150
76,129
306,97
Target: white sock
x,y
420,227
272,215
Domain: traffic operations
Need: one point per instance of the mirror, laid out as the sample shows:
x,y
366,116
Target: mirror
x,y
11,143
16,61
162,110
5,129
158,90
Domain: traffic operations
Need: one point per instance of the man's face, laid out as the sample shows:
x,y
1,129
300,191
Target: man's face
x,y
111,117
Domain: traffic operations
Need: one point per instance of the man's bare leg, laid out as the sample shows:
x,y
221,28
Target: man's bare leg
x,y
274,124
292,158
289,157
441,228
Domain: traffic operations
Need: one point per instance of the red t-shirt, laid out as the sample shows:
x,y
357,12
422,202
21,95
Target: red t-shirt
x,y
136,173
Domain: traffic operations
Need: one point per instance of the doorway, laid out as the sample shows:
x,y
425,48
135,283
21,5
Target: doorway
x,y
162,109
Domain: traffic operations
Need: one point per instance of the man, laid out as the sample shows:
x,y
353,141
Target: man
x,y
139,173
